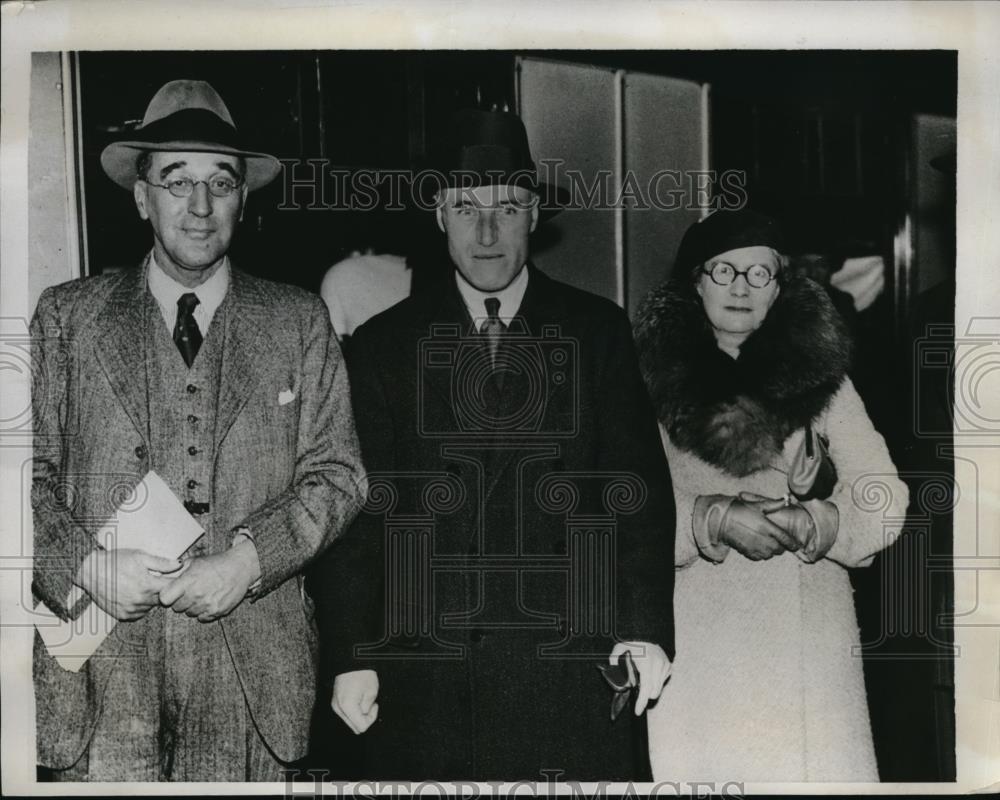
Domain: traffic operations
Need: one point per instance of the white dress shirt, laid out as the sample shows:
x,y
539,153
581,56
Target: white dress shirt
x,y
510,298
166,291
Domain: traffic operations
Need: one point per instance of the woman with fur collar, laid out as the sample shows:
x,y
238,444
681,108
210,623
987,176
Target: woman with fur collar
x,y
742,357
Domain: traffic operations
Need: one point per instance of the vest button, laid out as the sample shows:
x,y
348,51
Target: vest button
x,y
140,451
192,483
193,451
477,635
191,388
192,419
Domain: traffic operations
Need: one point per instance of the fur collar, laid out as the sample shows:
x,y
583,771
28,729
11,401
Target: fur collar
x,y
736,414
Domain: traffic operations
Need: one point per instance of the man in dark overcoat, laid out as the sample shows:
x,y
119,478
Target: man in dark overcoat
x,y
233,391
520,523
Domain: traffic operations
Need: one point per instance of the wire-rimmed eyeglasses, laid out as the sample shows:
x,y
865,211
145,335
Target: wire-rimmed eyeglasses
x,y
220,186
757,275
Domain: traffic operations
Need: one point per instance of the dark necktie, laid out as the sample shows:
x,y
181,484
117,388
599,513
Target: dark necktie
x,y
493,328
187,337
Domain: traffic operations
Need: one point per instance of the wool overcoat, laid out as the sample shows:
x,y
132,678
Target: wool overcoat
x,y
514,533
768,682
287,464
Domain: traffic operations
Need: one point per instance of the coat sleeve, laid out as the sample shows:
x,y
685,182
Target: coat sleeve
x,y
870,497
61,544
629,441
348,582
326,492
691,478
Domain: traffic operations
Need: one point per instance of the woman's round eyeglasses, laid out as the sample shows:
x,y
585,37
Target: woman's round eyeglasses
x,y
757,276
184,187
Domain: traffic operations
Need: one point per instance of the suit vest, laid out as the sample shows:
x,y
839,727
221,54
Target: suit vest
x,y
182,412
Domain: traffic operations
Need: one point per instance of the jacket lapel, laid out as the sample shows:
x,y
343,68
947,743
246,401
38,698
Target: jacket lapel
x,y
120,345
244,350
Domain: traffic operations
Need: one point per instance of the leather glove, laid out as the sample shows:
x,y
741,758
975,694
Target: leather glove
x,y
813,523
721,522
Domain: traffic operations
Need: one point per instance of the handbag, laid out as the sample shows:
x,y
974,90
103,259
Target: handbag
x,y
812,475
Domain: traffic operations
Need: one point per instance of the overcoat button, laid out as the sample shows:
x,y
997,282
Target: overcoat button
x,y
140,451
191,388
477,636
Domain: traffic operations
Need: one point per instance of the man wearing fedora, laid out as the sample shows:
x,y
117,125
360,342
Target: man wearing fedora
x,y
233,391
520,525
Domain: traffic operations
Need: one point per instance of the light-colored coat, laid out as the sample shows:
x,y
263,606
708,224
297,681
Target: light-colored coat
x,y
768,683
288,470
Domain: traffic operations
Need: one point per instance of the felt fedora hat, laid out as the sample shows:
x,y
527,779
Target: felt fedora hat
x,y
186,116
490,148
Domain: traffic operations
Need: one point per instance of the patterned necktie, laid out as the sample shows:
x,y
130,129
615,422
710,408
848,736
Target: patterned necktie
x,y
493,328
187,337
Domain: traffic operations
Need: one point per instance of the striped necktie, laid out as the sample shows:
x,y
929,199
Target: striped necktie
x,y
493,328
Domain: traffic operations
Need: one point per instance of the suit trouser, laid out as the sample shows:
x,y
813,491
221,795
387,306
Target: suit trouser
x,y
174,710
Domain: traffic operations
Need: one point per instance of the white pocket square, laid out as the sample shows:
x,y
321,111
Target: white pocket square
x,y
285,396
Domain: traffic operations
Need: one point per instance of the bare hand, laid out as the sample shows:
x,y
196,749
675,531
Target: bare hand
x,y
212,586
747,529
354,695
120,581
654,668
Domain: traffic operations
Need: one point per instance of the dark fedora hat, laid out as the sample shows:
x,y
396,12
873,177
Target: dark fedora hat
x,y
725,230
186,116
490,148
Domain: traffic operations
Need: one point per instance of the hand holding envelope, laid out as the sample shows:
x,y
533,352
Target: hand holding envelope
x,y
212,586
125,583
151,530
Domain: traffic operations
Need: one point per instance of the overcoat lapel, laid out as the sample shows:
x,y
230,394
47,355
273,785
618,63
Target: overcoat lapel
x,y
443,314
120,345
540,308
244,350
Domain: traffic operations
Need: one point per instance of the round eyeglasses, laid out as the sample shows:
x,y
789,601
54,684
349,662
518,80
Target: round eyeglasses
x,y
184,187
757,275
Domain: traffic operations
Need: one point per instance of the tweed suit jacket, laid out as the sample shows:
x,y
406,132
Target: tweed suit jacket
x,y
289,469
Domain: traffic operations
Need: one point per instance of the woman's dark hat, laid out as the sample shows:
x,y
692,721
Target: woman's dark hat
x,y
186,116
725,230
490,148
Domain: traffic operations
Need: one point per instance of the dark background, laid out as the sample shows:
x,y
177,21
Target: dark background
x,y
825,139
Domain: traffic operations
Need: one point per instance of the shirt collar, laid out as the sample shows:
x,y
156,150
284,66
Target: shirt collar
x,y
166,291
510,297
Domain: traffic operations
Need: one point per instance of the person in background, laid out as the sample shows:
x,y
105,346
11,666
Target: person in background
x,y
781,483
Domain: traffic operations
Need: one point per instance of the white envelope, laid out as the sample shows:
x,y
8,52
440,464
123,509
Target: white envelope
x,y
151,519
